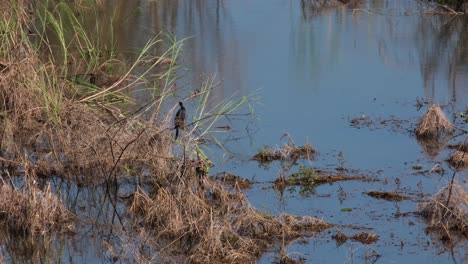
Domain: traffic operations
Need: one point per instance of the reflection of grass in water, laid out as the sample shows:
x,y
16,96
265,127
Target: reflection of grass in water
x,y
26,249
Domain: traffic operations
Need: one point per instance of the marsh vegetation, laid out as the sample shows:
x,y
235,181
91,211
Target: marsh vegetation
x,y
90,168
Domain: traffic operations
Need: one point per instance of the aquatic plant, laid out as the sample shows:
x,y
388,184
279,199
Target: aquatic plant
x,y
447,212
434,123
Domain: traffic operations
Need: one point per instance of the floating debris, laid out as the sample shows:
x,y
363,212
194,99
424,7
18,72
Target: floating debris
x,y
287,152
309,176
392,124
363,237
340,238
305,223
389,196
360,122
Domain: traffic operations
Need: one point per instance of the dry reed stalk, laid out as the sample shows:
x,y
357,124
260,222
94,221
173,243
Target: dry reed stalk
x,y
434,123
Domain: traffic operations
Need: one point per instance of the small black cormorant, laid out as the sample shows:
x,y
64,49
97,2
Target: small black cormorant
x,y
179,120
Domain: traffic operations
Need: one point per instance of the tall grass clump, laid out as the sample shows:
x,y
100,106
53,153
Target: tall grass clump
x,y
434,123
60,104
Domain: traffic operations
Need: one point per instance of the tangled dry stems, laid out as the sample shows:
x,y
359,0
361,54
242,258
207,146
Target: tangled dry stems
x,y
459,160
31,210
210,225
287,152
447,218
434,123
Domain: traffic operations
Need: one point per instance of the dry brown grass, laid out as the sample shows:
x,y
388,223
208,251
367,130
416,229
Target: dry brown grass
x,y
459,160
446,217
434,123
365,238
31,210
461,147
308,177
79,141
210,225
289,151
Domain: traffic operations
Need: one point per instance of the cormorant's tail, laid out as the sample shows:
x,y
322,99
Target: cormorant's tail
x,y
176,133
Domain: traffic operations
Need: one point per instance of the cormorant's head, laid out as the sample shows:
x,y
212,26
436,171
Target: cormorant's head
x,y
181,104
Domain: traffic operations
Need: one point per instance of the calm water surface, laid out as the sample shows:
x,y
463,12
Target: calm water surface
x,y
313,70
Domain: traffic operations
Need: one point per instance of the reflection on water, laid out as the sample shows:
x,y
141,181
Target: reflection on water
x,y
244,43
316,66
227,38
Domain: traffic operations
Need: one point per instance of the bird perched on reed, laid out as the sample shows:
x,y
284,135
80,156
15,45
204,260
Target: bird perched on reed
x,y
179,120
